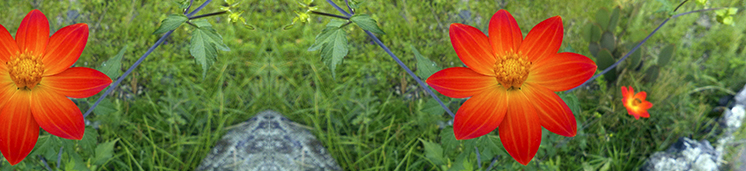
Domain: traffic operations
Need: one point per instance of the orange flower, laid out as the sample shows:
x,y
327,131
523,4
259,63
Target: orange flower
x,y
35,81
511,82
635,103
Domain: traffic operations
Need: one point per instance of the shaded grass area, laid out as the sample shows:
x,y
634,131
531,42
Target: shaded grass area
x,y
169,116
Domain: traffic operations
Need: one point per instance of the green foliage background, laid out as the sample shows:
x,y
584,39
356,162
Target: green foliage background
x,y
166,116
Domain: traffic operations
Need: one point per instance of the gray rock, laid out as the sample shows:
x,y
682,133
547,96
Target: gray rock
x,y
268,142
685,154
741,96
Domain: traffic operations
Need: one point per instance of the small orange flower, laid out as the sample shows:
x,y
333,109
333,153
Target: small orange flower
x,y
635,103
36,81
511,82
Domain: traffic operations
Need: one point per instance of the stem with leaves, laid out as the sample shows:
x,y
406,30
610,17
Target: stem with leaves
x,y
379,43
638,46
142,58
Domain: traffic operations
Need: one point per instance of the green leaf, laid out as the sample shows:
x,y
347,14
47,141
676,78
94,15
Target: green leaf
x,y
448,139
433,152
366,23
112,66
634,59
204,45
335,49
602,18
425,67
171,22
608,41
432,107
666,54
104,107
104,152
323,37
614,19
201,23
652,73
605,60
90,139
594,47
572,102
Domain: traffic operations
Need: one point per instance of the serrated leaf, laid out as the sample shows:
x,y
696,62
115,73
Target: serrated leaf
x,y
201,23
204,45
104,152
602,18
666,54
112,66
104,107
604,60
366,23
90,139
171,22
572,102
334,49
432,107
336,23
425,67
448,139
433,152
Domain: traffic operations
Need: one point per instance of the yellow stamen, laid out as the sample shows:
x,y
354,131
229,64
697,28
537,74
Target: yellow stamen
x,y
25,70
511,70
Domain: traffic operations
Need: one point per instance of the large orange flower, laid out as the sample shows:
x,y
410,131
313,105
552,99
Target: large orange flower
x,y
636,104
511,82
36,81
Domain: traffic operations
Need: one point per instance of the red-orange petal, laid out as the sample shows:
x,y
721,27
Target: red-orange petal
x,y
460,82
65,48
642,95
625,93
505,35
562,71
553,113
33,34
8,47
481,114
473,48
18,130
544,40
57,114
77,82
520,131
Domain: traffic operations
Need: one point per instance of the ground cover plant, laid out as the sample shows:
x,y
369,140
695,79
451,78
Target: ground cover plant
x,y
368,112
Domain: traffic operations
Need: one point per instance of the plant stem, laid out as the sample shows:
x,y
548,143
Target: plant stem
x,y
401,64
637,47
347,2
137,63
330,15
339,9
190,6
207,15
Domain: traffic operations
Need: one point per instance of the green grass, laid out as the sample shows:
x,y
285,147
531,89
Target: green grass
x,y
358,116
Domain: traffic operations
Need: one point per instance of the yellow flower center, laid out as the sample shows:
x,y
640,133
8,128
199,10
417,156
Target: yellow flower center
x,y
511,70
25,70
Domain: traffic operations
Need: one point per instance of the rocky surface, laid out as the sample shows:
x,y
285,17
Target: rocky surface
x,y
268,142
687,154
